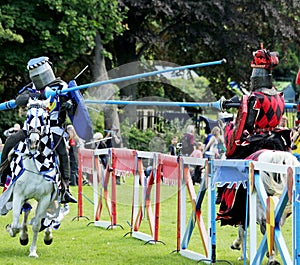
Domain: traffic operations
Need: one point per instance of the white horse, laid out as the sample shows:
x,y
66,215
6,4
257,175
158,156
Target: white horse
x,y
274,184
34,174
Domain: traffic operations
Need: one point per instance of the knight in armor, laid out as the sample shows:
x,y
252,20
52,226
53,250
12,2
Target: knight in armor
x,y
255,128
259,114
42,76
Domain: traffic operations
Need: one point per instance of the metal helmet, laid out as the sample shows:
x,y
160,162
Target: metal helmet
x,y
261,78
263,62
40,72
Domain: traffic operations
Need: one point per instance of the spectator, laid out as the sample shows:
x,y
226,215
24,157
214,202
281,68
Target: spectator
x,y
213,146
188,141
207,139
296,143
12,130
283,122
196,173
198,152
114,138
172,146
100,144
73,146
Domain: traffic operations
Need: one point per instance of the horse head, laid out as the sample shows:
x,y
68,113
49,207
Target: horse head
x,y
37,122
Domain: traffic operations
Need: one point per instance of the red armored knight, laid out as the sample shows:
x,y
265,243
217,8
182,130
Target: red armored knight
x,y
255,128
256,125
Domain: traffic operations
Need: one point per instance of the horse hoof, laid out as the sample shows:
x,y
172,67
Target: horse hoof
x,y
33,255
273,262
48,242
24,242
8,228
235,247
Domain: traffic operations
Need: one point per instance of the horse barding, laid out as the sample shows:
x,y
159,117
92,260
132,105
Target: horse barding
x,y
34,175
233,207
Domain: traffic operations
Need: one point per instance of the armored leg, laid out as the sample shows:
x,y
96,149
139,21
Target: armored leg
x,y
10,143
64,167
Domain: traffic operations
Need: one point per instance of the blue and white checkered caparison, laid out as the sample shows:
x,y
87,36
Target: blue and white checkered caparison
x,y
44,157
36,119
36,62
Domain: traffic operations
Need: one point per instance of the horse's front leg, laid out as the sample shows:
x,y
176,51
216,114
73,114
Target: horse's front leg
x,y
14,227
36,224
48,238
24,229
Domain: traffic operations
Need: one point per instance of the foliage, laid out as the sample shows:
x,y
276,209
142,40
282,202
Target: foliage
x,y
7,34
97,119
181,32
150,89
63,30
137,139
150,139
9,119
196,88
185,32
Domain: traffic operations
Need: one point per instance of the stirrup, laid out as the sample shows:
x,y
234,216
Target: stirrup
x,y
67,197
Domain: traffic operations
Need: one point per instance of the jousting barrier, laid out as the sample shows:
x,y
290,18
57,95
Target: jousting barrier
x,y
172,170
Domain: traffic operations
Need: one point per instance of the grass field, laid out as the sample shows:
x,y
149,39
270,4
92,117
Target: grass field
x,y
78,241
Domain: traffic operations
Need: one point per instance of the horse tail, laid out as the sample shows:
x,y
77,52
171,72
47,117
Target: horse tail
x,y
274,183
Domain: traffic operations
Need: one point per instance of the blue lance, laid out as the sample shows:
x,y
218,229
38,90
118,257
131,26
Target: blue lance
x,y
215,104
218,104
11,104
221,104
50,93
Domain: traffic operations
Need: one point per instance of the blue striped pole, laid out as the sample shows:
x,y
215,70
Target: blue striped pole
x,y
296,214
216,104
50,93
11,104
130,77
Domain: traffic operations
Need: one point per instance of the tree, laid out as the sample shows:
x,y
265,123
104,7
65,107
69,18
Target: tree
x,y
63,30
185,32
76,33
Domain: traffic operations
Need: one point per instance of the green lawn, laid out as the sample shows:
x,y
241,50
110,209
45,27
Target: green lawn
x,y
78,241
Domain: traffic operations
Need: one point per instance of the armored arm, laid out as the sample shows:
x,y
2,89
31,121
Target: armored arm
x,y
234,102
252,113
67,105
23,98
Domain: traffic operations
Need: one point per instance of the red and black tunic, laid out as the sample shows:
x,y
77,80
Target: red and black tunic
x,y
265,111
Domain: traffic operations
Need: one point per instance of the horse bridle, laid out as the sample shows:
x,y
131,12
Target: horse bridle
x,y
38,131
